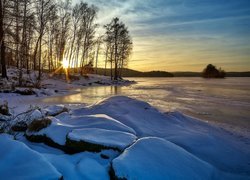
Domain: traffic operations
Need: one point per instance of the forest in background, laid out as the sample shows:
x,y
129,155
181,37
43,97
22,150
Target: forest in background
x,y
48,35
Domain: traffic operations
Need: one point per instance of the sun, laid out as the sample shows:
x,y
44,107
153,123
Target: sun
x,y
65,63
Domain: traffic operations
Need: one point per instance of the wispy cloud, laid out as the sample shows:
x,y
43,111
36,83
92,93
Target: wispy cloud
x,y
176,34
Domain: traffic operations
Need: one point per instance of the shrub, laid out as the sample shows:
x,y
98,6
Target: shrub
x,y
4,109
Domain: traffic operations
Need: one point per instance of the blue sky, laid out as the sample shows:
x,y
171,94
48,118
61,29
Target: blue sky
x,y
180,35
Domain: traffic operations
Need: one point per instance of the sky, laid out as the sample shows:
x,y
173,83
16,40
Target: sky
x,y
183,35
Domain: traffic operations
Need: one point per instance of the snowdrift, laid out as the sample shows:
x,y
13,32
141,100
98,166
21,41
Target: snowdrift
x,y
130,139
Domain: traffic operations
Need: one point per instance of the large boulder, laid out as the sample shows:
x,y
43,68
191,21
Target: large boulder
x,y
156,158
19,161
70,134
96,140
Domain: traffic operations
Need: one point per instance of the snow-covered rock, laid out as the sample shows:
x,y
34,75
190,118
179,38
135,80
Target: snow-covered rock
x,y
36,114
92,169
155,158
29,116
19,126
56,133
205,141
54,110
185,146
84,165
101,121
105,139
19,161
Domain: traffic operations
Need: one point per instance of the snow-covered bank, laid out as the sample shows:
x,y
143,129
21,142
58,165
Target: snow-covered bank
x,y
148,144
20,99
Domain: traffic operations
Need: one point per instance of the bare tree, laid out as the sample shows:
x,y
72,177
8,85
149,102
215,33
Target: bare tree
x,y
43,9
119,45
39,34
64,18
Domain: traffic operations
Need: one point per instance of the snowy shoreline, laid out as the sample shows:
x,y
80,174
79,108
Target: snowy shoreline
x,y
197,143
19,99
76,142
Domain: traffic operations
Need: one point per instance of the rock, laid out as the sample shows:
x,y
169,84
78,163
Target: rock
x,y
104,156
35,115
37,125
18,161
96,140
19,126
48,141
25,92
28,117
4,109
54,110
81,146
156,158
4,118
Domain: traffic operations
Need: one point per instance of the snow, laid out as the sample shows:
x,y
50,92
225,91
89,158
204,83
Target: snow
x,y
108,138
169,144
51,85
19,161
36,114
54,110
207,142
156,158
80,166
29,116
59,129
94,168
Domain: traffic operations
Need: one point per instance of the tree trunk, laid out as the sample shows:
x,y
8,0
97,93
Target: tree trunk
x,y
96,60
106,60
3,60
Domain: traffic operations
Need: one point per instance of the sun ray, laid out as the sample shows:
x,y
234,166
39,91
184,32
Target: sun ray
x,y
65,66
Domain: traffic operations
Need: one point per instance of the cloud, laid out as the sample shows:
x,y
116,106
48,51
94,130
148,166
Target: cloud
x,y
169,34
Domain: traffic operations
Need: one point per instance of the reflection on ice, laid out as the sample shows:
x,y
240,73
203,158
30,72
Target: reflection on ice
x,y
218,100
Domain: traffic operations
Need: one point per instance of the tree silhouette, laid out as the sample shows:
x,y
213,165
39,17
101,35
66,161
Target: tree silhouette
x,y
212,72
119,46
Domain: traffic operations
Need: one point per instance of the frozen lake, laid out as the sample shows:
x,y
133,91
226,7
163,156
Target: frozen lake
x,y
221,101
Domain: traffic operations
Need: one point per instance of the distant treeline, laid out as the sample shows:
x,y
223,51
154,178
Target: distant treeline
x,y
199,74
133,73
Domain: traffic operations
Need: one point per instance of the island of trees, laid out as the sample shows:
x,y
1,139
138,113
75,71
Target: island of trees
x,y
212,72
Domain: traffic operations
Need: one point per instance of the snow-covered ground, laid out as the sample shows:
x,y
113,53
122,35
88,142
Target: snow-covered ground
x,y
77,143
118,137
52,85
224,102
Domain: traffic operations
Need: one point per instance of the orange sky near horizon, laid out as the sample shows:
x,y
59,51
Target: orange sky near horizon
x,y
182,35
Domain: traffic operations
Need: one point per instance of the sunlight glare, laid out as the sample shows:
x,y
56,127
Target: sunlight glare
x,y
65,63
